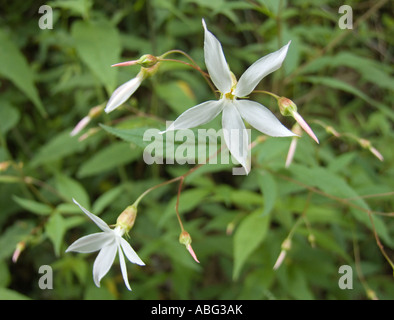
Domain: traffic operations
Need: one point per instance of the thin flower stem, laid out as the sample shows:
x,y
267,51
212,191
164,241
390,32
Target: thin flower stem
x,y
344,201
380,245
301,218
180,52
177,203
193,64
188,64
153,188
370,293
348,203
267,92
179,178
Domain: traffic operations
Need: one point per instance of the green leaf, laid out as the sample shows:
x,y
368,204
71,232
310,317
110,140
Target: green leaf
x,y
14,67
334,185
117,154
135,136
341,85
106,199
5,275
177,94
12,235
248,236
98,45
70,188
9,117
55,229
298,284
76,7
8,294
182,145
33,206
269,190
370,70
57,148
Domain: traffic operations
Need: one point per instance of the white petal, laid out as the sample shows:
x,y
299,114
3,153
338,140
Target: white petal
x,y
235,134
197,115
262,119
98,221
258,70
123,268
130,253
103,262
215,62
91,243
122,93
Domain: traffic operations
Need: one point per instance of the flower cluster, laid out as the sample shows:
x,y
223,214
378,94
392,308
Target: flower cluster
x,y
108,242
234,106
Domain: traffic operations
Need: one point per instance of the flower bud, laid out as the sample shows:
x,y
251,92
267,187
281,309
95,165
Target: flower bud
x,y
95,111
4,165
286,246
185,239
286,106
289,108
147,61
127,218
88,134
366,144
18,250
230,228
331,130
149,71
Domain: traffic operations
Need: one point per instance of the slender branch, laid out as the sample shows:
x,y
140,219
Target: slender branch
x,y
370,293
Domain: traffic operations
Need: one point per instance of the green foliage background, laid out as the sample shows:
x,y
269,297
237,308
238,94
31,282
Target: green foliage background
x,y
335,201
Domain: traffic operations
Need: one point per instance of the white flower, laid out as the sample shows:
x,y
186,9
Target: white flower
x,y
122,93
233,109
108,242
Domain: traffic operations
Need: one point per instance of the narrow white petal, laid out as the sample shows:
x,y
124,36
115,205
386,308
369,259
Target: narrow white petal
x,y
122,93
98,221
197,115
215,62
258,70
104,261
91,243
123,268
80,125
130,253
262,119
235,134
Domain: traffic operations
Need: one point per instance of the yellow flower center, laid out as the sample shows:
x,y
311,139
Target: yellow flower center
x,y
229,95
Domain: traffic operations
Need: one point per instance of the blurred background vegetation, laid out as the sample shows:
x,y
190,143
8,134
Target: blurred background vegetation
x,y
333,204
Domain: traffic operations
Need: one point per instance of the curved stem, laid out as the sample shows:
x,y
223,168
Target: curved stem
x,y
177,203
193,64
267,92
188,64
